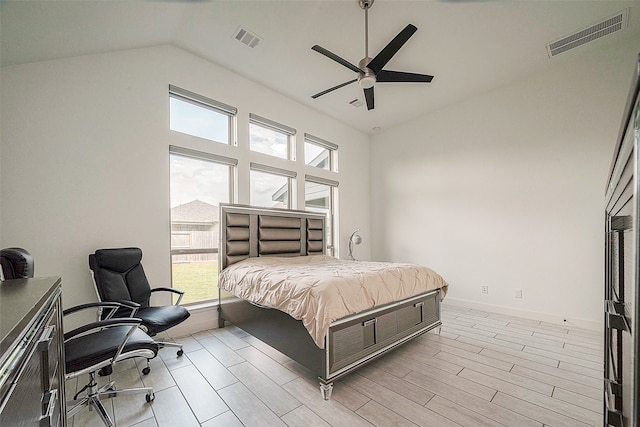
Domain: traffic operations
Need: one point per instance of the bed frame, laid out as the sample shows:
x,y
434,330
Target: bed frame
x,y
352,341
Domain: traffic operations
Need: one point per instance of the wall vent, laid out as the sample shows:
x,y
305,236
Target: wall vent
x,y
247,37
607,26
356,103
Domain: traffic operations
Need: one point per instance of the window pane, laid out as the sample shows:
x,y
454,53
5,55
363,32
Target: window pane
x,y
317,198
198,121
268,141
317,156
269,190
197,189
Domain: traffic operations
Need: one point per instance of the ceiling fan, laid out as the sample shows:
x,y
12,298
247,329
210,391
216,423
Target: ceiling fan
x,y
370,71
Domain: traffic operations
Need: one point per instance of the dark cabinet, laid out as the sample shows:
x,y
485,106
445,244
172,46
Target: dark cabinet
x,y
622,276
32,356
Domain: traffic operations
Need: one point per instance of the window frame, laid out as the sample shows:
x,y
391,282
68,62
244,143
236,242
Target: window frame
x,y
187,96
232,165
329,146
269,124
290,175
333,185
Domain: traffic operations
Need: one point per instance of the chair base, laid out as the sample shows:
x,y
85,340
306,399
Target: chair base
x,y
94,394
163,344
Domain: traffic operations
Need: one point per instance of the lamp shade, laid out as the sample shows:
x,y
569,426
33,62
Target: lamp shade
x,y
355,239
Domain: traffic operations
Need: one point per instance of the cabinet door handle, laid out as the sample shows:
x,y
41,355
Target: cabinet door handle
x,y
616,307
47,419
369,322
616,321
613,387
46,338
43,347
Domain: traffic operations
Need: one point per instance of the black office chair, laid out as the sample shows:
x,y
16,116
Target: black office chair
x,y
100,344
119,276
16,263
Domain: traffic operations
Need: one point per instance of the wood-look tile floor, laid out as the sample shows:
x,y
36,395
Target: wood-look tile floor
x,y
483,369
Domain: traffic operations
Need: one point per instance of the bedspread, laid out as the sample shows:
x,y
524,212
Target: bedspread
x,y
320,289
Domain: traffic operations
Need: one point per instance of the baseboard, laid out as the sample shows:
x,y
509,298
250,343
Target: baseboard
x,y
533,315
202,318
206,317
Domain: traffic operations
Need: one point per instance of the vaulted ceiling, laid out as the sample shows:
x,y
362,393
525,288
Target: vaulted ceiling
x,y
470,46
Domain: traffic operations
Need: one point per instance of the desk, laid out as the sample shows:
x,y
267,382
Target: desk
x,y
31,353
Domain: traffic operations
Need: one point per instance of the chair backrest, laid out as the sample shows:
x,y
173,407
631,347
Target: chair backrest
x,y
16,263
118,275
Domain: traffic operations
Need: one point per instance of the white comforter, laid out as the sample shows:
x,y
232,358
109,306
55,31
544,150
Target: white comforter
x,y
320,289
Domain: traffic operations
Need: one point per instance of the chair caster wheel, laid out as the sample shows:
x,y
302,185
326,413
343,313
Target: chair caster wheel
x,y
150,397
146,370
106,371
180,352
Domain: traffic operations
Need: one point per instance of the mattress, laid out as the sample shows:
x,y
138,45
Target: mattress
x,y
320,289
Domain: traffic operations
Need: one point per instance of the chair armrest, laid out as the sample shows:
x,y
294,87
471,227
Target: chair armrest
x,y
133,306
112,305
132,322
95,326
175,291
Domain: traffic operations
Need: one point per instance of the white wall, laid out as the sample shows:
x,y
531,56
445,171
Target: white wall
x,y
85,160
506,190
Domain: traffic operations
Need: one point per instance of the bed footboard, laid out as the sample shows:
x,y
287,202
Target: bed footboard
x,y
351,342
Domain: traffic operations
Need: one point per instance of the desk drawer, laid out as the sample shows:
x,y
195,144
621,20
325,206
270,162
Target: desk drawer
x,y
33,397
29,403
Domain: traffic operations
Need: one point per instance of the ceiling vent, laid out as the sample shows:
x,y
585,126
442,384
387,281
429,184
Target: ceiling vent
x,y
607,26
356,103
247,37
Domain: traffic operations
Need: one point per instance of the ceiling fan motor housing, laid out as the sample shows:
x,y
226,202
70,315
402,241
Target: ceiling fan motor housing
x,y
367,79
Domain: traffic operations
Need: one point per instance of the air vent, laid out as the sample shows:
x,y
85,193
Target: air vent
x,y
247,37
356,103
607,26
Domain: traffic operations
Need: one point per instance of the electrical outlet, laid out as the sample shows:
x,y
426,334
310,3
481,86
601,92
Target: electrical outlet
x,y
518,293
485,289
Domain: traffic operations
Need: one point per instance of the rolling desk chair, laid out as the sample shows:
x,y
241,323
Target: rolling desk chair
x,y
118,276
90,348
16,263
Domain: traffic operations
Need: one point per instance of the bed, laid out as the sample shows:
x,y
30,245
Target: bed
x,y
331,316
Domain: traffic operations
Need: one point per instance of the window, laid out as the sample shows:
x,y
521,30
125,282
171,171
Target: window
x,y
199,183
271,187
320,153
199,116
269,137
320,195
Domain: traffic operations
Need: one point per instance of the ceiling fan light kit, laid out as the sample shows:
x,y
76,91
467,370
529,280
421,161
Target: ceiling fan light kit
x,y
370,71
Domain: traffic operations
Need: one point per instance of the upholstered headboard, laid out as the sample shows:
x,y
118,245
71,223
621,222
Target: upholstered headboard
x,y
247,232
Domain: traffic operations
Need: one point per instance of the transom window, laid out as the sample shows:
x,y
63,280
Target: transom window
x,y
320,153
269,137
200,116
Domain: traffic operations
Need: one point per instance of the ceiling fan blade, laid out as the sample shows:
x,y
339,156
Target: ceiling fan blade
x,y
391,49
387,76
336,58
368,94
333,88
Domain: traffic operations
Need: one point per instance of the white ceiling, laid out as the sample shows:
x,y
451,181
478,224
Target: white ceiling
x,y
469,46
